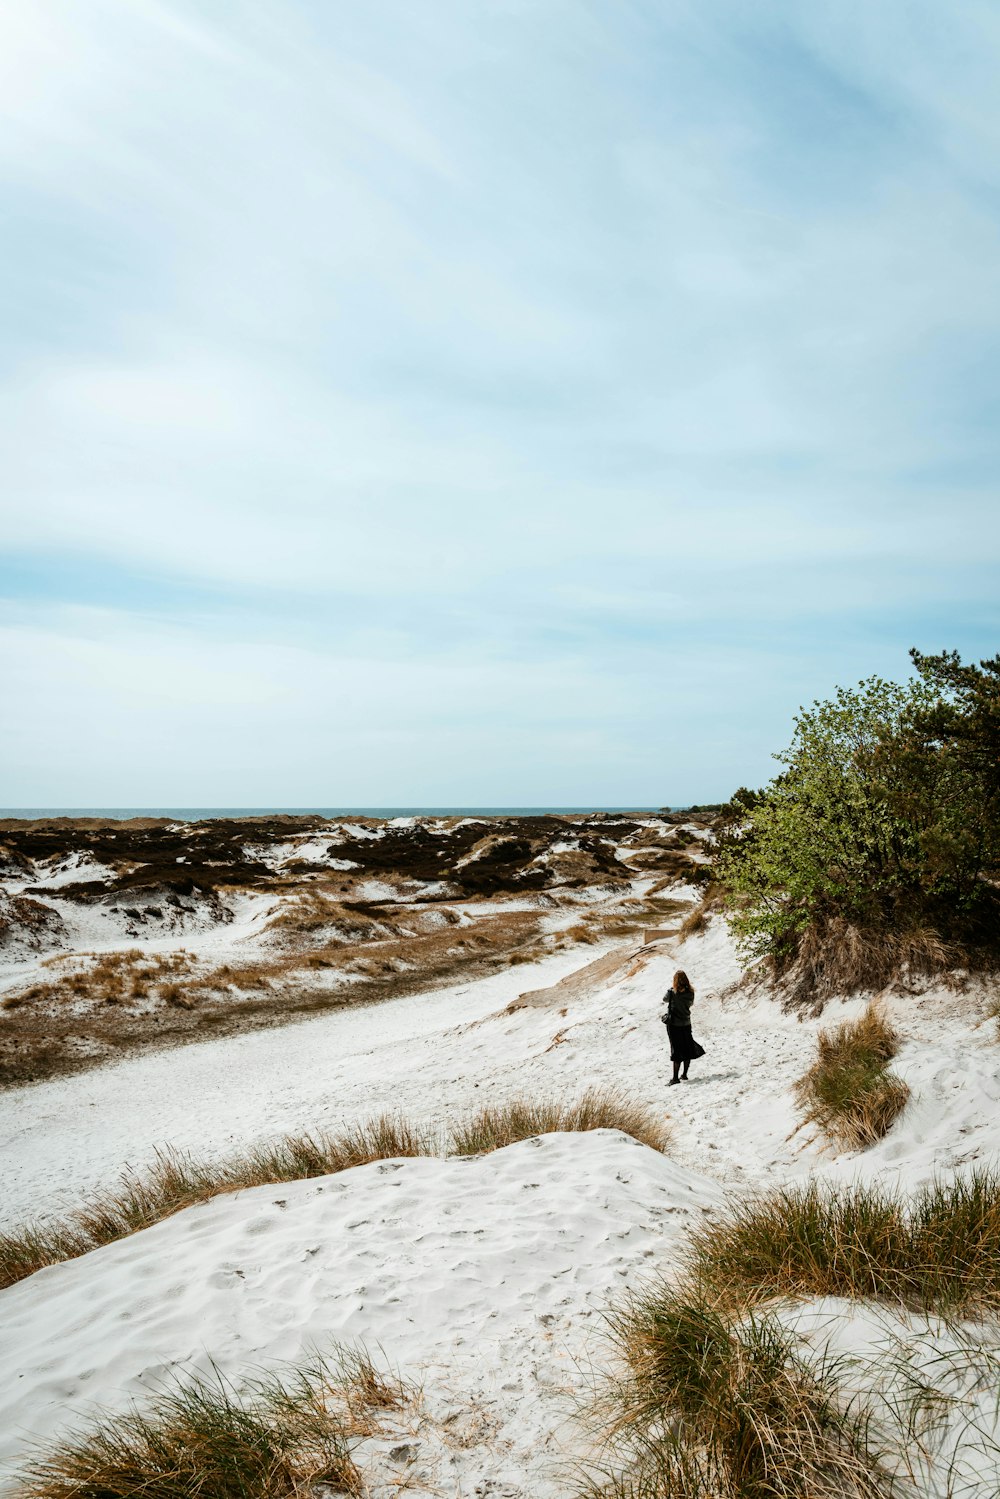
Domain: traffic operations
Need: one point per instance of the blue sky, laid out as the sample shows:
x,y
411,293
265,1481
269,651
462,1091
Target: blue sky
x,y
484,401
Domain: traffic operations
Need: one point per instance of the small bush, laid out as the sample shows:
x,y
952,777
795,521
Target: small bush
x,y
849,1093
502,1125
938,1252
874,854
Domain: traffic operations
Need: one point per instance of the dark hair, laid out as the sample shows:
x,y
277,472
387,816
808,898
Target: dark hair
x,y
682,984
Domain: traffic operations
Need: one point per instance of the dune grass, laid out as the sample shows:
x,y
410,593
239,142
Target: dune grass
x,y
849,1093
176,1180
709,1410
938,1251
281,1437
503,1124
115,978
993,1012
834,956
715,1399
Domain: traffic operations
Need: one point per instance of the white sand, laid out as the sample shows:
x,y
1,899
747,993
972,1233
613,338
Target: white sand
x,y
482,1278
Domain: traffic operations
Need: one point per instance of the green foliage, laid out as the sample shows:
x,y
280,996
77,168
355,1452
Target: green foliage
x,y
885,818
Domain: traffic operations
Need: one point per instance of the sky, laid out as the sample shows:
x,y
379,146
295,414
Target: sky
x,y
484,402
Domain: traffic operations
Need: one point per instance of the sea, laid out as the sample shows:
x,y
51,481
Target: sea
x,y
199,814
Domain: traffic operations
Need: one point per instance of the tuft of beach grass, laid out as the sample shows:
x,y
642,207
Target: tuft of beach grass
x,y
849,1093
287,1435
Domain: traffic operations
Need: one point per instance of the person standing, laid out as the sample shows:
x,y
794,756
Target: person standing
x,y
684,1049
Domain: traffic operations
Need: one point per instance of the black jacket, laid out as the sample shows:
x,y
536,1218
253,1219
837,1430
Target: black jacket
x,y
679,1008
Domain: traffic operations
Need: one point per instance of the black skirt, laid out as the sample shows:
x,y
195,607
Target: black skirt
x,y
683,1046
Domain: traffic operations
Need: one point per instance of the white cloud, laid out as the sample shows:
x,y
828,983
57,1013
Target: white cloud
x,y
565,331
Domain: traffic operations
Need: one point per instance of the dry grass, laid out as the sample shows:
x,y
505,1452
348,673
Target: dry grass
x,y
993,1012
582,932
849,1093
938,1252
502,1125
708,1410
626,921
715,1399
282,1437
317,910
175,1181
42,1035
834,957
115,978
698,919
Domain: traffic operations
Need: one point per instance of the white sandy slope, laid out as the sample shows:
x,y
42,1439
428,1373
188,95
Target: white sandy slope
x,y
475,1253
484,1278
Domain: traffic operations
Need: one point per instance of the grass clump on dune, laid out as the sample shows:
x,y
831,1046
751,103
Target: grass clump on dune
x,y
936,1252
504,1124
707,1410
849,1093
280,1438
176,1180
716,1399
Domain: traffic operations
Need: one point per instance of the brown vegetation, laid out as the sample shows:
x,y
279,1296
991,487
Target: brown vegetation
x,y
127,1001
697,920
324,947
495,1127
849,1093
176,1181
281,1437
709,1410
27,920
115,978
835,957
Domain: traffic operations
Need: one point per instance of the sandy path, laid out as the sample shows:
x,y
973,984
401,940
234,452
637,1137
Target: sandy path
x,y
434,1057
61,1138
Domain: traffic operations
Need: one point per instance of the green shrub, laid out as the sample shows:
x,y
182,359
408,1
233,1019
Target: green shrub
x,y
874,848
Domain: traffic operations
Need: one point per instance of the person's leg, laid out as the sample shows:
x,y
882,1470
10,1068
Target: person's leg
x,y
675,1078
685,1072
